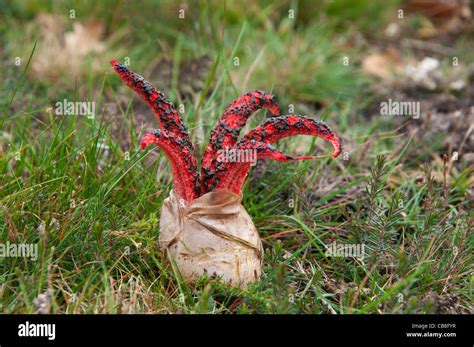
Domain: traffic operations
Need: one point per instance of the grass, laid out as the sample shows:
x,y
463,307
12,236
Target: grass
x,y
70,185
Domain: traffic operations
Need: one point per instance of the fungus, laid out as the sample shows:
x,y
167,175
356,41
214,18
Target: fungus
x,y
203,226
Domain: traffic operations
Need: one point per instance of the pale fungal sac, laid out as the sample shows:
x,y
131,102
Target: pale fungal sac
x,y
213,235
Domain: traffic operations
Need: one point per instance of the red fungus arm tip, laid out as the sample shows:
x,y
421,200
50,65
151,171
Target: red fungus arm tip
x,y
173,130
231,176
160,105
227,131
277,128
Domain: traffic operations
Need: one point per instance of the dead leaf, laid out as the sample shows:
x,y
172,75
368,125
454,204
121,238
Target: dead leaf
x,y
63,53
84,39
449,17
382,65
427,30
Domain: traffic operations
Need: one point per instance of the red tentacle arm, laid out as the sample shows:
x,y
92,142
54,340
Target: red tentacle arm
x,y
183,163
160,105
227,131
277,128
236,170
231,176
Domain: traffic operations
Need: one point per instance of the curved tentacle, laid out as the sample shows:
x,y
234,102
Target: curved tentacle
x,y
161,106
183,163
174,133
232,177
235,172
227,131
277,128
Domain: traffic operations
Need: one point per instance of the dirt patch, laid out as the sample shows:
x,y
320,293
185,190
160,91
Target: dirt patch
x,y
446,303
441,114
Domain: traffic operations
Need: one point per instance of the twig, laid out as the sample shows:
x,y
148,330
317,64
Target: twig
x,y
428,46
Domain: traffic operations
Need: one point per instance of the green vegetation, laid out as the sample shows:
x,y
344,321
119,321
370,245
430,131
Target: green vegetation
x,y
83,191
